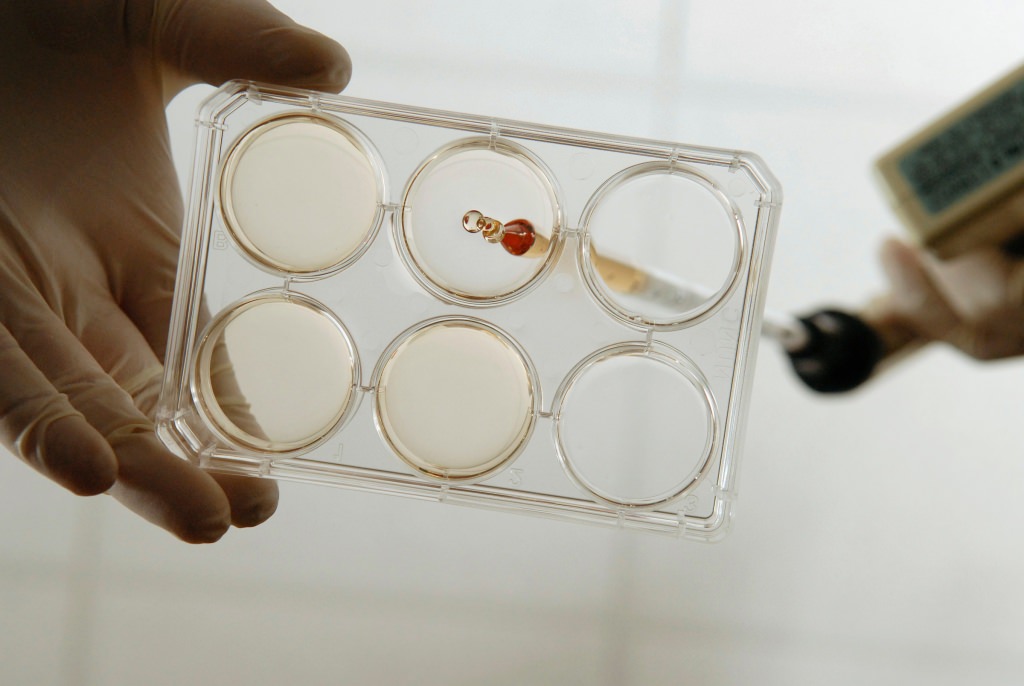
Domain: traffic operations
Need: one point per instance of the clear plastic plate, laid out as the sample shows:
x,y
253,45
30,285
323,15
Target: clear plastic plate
x,y
467,309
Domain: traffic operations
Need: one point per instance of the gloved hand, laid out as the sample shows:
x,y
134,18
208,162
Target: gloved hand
x,y
90,215
974,302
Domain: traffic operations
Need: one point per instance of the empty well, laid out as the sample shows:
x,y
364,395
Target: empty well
x,y
302,194
662,245
499,179
455,398
635,426
275,373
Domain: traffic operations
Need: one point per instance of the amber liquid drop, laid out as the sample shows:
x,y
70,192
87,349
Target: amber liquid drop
x,y
519,237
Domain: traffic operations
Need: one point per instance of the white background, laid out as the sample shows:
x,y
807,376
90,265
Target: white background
x,y
878,537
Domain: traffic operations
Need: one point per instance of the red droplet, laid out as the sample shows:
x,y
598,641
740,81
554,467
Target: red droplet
x,y
519,236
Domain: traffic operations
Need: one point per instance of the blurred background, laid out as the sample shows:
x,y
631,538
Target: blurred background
x,y
878,536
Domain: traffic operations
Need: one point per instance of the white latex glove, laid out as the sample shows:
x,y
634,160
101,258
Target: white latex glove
x,y
974,302
90,215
